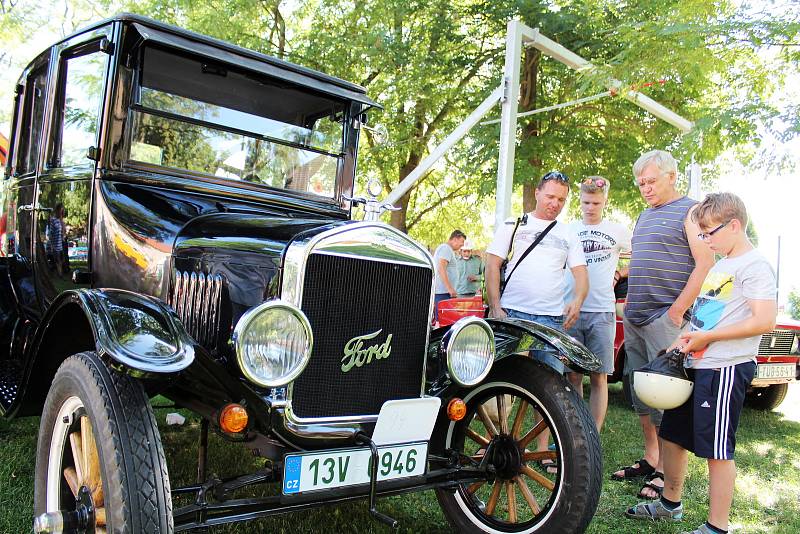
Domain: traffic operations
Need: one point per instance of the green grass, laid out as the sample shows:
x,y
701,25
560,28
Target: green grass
x,y
767,495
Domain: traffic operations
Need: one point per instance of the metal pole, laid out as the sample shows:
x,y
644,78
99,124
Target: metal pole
x,y
508,122
778,272
574,61
455,136
554,107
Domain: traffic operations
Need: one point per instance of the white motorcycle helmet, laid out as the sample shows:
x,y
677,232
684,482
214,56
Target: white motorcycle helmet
x,y
663,383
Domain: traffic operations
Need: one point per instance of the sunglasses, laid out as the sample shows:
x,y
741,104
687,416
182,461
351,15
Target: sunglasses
x,y
707,235
555,175
598,182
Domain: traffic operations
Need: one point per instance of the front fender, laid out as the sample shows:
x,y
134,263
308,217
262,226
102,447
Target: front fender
x,y
514,336
137,331
134,333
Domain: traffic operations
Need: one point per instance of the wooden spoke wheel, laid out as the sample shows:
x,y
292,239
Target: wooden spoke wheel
x,y
100,466
534,487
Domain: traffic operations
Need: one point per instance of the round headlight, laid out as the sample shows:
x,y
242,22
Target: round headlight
x,y
273,343
470,350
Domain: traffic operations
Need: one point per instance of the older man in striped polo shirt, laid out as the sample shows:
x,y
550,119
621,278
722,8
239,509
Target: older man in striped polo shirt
x,y
668,265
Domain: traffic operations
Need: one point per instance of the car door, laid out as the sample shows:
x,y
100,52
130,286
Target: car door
x,y
19,204
65,185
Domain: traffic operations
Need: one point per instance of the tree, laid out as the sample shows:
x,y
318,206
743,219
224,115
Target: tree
x,y
429,64
794,303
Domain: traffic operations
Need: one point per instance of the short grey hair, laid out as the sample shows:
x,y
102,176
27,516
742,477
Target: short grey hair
x,y
662,159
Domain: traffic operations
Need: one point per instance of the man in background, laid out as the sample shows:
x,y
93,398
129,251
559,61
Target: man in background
x,y
446,269
470,270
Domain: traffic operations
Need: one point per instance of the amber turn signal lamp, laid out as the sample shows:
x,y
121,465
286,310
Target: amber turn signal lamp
x,y
456,409
233,418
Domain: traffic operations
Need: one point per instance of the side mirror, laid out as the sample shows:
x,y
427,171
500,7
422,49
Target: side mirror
x,y
379,133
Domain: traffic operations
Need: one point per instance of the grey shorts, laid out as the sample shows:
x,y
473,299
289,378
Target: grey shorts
x,y
642,345
595,330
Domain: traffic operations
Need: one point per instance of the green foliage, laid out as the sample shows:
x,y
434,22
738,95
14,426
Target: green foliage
x,y
752,234
794,303
429,64
720,64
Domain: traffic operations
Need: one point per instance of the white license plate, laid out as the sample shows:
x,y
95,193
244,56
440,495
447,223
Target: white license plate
x,y
776,370
348,467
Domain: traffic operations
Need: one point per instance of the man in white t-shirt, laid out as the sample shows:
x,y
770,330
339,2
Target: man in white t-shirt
x,y
446,269
536,290
602,241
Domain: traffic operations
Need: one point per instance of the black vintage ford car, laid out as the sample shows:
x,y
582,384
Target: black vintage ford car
x,y
177,221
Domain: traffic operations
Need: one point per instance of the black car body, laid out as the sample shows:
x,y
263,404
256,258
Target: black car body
x,y
206,190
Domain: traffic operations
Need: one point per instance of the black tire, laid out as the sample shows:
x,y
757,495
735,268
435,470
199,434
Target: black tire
x,y
571,503
87,399
767,398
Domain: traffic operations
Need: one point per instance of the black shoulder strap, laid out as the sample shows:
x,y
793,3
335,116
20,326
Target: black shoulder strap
x,y
523,220
530,248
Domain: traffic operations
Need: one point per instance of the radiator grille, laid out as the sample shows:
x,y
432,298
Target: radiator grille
x,y
196,298
776,343
344,298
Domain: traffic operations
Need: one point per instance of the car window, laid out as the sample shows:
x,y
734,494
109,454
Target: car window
x,y
207,118
32,120
79,97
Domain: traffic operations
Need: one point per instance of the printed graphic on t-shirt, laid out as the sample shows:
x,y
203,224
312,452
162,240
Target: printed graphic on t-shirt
x,y
708,307
598,246
549,241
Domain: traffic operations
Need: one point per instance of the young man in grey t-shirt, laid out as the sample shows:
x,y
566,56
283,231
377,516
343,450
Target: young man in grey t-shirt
x,y
446,269
735,306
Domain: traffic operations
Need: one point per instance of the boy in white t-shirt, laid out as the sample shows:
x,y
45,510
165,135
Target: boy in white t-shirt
x,y
735,306
602,241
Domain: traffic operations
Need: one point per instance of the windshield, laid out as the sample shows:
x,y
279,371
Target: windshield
x,y
205,118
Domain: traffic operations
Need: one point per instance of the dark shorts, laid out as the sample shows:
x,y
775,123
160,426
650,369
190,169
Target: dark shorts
x,y
706,423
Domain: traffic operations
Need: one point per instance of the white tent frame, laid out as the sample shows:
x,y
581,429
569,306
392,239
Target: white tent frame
x,y
518,36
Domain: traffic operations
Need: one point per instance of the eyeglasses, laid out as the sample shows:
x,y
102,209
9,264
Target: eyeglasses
x,y
707,235
555,175
598,182
650,180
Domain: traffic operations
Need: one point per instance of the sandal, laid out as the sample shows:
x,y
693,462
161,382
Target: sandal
x,y
644,469
549,466
702,529
654,511
649,484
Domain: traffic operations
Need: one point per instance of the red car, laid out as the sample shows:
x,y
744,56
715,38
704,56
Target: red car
x,y
778,354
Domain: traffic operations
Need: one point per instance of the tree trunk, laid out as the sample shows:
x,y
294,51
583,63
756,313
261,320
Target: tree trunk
x,y
528,93
528,198
399,218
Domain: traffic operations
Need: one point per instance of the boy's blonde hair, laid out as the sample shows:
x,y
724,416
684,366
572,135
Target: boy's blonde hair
x,y
720,208
590,185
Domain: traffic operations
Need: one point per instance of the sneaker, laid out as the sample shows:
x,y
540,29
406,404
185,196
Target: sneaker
x,y
654,511
702,529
